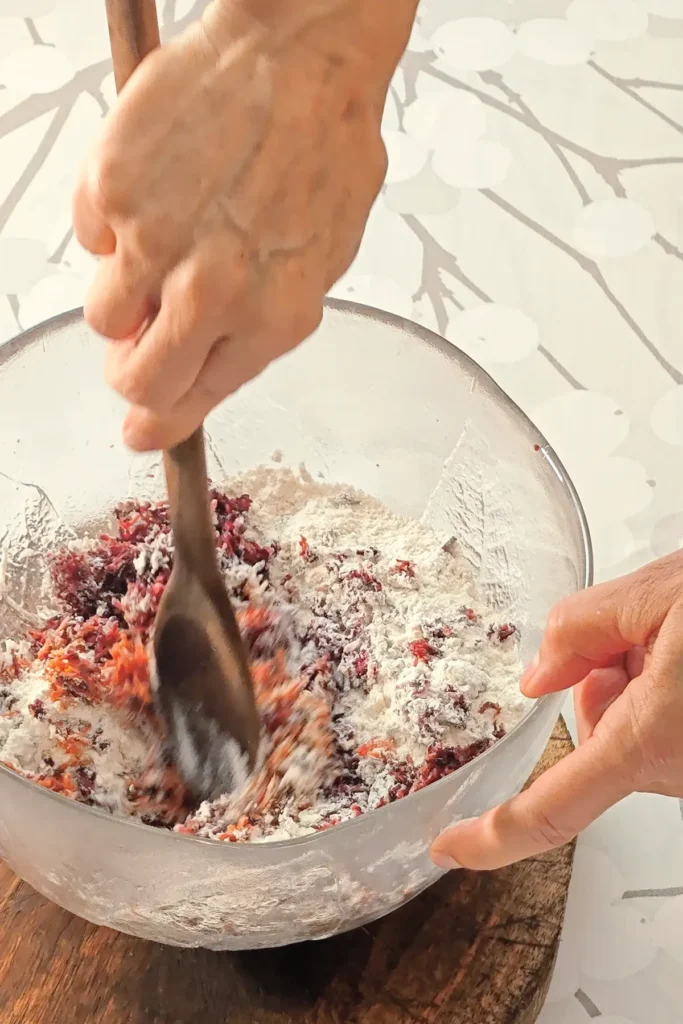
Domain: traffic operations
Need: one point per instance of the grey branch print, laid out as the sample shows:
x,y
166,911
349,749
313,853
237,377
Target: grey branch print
x,y
87,80
436,260
439,269
609,168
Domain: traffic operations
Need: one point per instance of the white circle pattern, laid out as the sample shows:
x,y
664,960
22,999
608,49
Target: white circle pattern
x,y
25,8
482,164
438,115
608,20
613,228
664,8
667,416
554,41
541,101
494,333
474,44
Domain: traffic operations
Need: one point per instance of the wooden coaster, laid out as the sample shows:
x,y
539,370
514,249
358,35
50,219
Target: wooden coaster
x,y
473,949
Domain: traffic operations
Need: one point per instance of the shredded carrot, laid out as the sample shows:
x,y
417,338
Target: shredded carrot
x,y
376,748
126,675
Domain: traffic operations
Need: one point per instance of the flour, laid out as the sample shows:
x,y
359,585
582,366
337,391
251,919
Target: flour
x,y
379,618
34,732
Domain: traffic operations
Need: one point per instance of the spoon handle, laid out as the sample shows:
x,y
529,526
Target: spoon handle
x,y
193,532
133,33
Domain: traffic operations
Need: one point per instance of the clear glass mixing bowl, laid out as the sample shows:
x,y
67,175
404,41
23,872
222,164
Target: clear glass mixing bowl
x,y
373,401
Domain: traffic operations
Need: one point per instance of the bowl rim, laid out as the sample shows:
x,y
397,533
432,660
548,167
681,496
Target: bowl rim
x,y
14,345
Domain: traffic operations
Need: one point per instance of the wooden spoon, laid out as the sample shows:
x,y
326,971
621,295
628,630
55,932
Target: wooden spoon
x,y
201,675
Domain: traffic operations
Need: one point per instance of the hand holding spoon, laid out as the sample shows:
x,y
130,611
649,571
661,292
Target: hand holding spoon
x,y
202,682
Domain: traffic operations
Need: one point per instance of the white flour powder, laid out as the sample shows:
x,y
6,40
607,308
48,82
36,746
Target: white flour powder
x,y
379,618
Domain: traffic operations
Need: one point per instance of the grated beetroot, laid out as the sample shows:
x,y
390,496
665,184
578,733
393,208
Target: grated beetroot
x,y
94,655
422,650
403,568
365,577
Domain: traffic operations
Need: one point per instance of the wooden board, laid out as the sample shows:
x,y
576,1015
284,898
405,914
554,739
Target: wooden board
x,y
473,949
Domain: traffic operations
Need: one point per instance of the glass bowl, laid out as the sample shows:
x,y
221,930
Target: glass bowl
x,y
373,401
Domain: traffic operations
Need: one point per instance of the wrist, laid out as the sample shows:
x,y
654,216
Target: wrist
x,y
376,29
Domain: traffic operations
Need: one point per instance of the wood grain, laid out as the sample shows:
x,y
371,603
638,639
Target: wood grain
x,y
473,949
133,33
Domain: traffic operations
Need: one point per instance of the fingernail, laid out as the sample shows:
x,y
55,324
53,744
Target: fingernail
x,y
442,860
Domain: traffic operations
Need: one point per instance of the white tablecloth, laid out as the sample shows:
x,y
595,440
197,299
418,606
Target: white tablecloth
x,y
533,214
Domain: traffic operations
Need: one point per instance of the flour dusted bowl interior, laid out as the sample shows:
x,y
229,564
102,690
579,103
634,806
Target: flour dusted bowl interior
x,y
370,401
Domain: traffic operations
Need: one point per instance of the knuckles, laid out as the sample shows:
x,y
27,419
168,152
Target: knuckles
x,y
295,324
559,617
547,834
189,290
97,315
128,383
209,287
106,182
215,287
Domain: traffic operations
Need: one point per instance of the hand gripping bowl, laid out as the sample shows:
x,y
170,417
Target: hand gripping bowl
x,y
373,401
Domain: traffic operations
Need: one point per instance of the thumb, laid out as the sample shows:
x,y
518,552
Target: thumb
x,y
555,808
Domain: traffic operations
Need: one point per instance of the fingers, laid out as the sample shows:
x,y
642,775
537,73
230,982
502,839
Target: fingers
x,y
120,298
228,366
144,197
559,805
202,299
90,227
595,695
282,308
589,629
629,714
665,661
